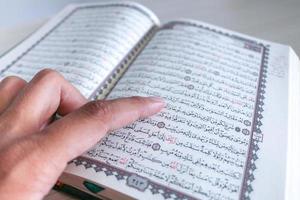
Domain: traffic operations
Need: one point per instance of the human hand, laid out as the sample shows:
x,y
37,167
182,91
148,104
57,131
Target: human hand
x,y
34,151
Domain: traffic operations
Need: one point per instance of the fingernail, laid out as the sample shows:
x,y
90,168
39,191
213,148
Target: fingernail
x,y
157,102
155,105
157,99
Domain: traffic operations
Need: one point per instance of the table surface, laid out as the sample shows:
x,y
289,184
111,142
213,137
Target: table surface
x,y
274,20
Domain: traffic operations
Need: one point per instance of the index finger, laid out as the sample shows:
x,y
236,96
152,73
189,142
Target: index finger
x,y
74,134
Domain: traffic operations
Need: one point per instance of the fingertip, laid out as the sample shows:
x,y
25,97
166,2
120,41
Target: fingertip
x,y
153,106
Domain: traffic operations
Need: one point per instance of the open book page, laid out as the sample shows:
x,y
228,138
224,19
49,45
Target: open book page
x,y
84,42
223,133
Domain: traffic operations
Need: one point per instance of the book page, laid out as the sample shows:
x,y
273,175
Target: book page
x,y
211,141
85,43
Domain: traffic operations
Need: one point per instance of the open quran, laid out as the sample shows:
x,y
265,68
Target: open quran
x,y
229,129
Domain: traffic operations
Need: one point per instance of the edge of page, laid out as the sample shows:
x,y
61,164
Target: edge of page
x,y
138,5
293,152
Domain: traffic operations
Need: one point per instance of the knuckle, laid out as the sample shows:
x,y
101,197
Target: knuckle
x,y
48,75
12,80
138,100
101,110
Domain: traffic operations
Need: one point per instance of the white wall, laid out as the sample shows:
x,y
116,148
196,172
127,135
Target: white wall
x,y
18,12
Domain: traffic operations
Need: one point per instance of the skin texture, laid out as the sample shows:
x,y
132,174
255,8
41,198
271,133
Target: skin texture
x,y
34,150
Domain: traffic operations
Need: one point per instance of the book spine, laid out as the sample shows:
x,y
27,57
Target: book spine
x,y
104,89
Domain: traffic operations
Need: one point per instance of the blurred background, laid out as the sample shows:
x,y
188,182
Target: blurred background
x,y
275,20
